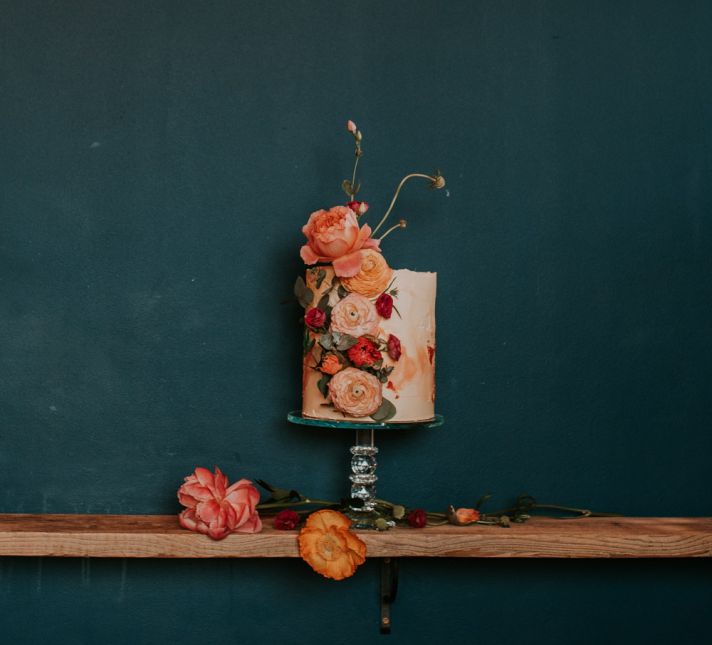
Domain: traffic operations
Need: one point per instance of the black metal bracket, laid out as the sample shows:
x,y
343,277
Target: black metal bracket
x,y
389,590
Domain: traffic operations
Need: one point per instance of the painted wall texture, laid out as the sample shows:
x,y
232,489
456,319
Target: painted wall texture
x,y
158,160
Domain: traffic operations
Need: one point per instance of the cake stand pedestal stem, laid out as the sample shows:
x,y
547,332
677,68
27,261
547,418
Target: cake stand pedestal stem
x,y
363,480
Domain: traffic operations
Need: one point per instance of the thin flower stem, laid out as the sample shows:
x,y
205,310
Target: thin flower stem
x,y
390,230
353,176
305,502
395,196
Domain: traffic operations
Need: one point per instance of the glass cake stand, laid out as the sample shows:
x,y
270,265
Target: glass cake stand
x,y
363,459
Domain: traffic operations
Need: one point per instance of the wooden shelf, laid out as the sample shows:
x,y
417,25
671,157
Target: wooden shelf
x,y
159,536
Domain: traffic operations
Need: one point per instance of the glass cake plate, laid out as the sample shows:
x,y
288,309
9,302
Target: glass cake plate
x,y
363,460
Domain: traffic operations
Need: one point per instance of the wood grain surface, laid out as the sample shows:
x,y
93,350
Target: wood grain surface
x,y
160,536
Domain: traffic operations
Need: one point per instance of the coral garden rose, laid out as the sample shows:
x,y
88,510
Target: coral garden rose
x,y
363,353
355,392
334,236
286,520
315,318
394,347
372,278
330,364
216,509
327,545
384,305
417,518
354,315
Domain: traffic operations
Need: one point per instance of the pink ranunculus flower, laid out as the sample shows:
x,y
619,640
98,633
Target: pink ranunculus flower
x,y
354,315
355,392
215,509
334,236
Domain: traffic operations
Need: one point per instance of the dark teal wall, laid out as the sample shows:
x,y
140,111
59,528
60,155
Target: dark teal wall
x,y
157,161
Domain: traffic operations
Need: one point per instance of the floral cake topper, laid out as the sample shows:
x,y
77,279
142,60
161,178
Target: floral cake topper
x,y
341,329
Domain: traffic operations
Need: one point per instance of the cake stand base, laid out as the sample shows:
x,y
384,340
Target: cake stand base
x,y
362,511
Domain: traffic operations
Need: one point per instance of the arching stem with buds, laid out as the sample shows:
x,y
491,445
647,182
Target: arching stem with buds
x,y
437,181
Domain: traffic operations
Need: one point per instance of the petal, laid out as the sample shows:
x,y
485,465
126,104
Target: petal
x,y
307,254
252,525
201,493
188,520
205,477
208,511
326,518
347,266
187,500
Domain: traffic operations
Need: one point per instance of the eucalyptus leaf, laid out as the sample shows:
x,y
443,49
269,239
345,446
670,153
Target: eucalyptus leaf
x,y
326,341
342,292
323,302
321,274
304,294
385,412
345,342
346,187
323,385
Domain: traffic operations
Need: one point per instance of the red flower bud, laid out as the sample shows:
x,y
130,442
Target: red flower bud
x,y
394,347
363,353
286,520
315,318
417,518
384,305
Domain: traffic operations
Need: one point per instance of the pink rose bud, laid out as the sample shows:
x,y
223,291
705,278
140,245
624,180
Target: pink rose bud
x,y
286,520
315,318
417,518
394,347
384,305
358,207
351,127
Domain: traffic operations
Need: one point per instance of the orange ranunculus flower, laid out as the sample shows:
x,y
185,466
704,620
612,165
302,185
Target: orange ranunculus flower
x,y
355,392
330,364
373,277
327,545
465,516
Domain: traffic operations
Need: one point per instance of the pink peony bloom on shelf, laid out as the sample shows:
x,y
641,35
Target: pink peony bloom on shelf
x,y
334,236
351,126
216,509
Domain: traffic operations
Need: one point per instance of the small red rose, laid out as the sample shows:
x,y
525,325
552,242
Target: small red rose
x,y
384,305
358,207
417,518
364,353
315,318
394,347
286,520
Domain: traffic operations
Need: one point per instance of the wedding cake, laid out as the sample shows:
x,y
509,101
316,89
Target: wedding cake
x,y
369,330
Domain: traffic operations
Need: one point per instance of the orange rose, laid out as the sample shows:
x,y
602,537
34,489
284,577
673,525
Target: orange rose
x,y
355,392
355,315
330,364
373,277
327,545
334,236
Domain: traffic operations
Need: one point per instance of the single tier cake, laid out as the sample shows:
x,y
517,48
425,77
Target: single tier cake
x,y
373,357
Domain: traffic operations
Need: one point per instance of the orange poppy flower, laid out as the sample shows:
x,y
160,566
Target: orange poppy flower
x,y
327,545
